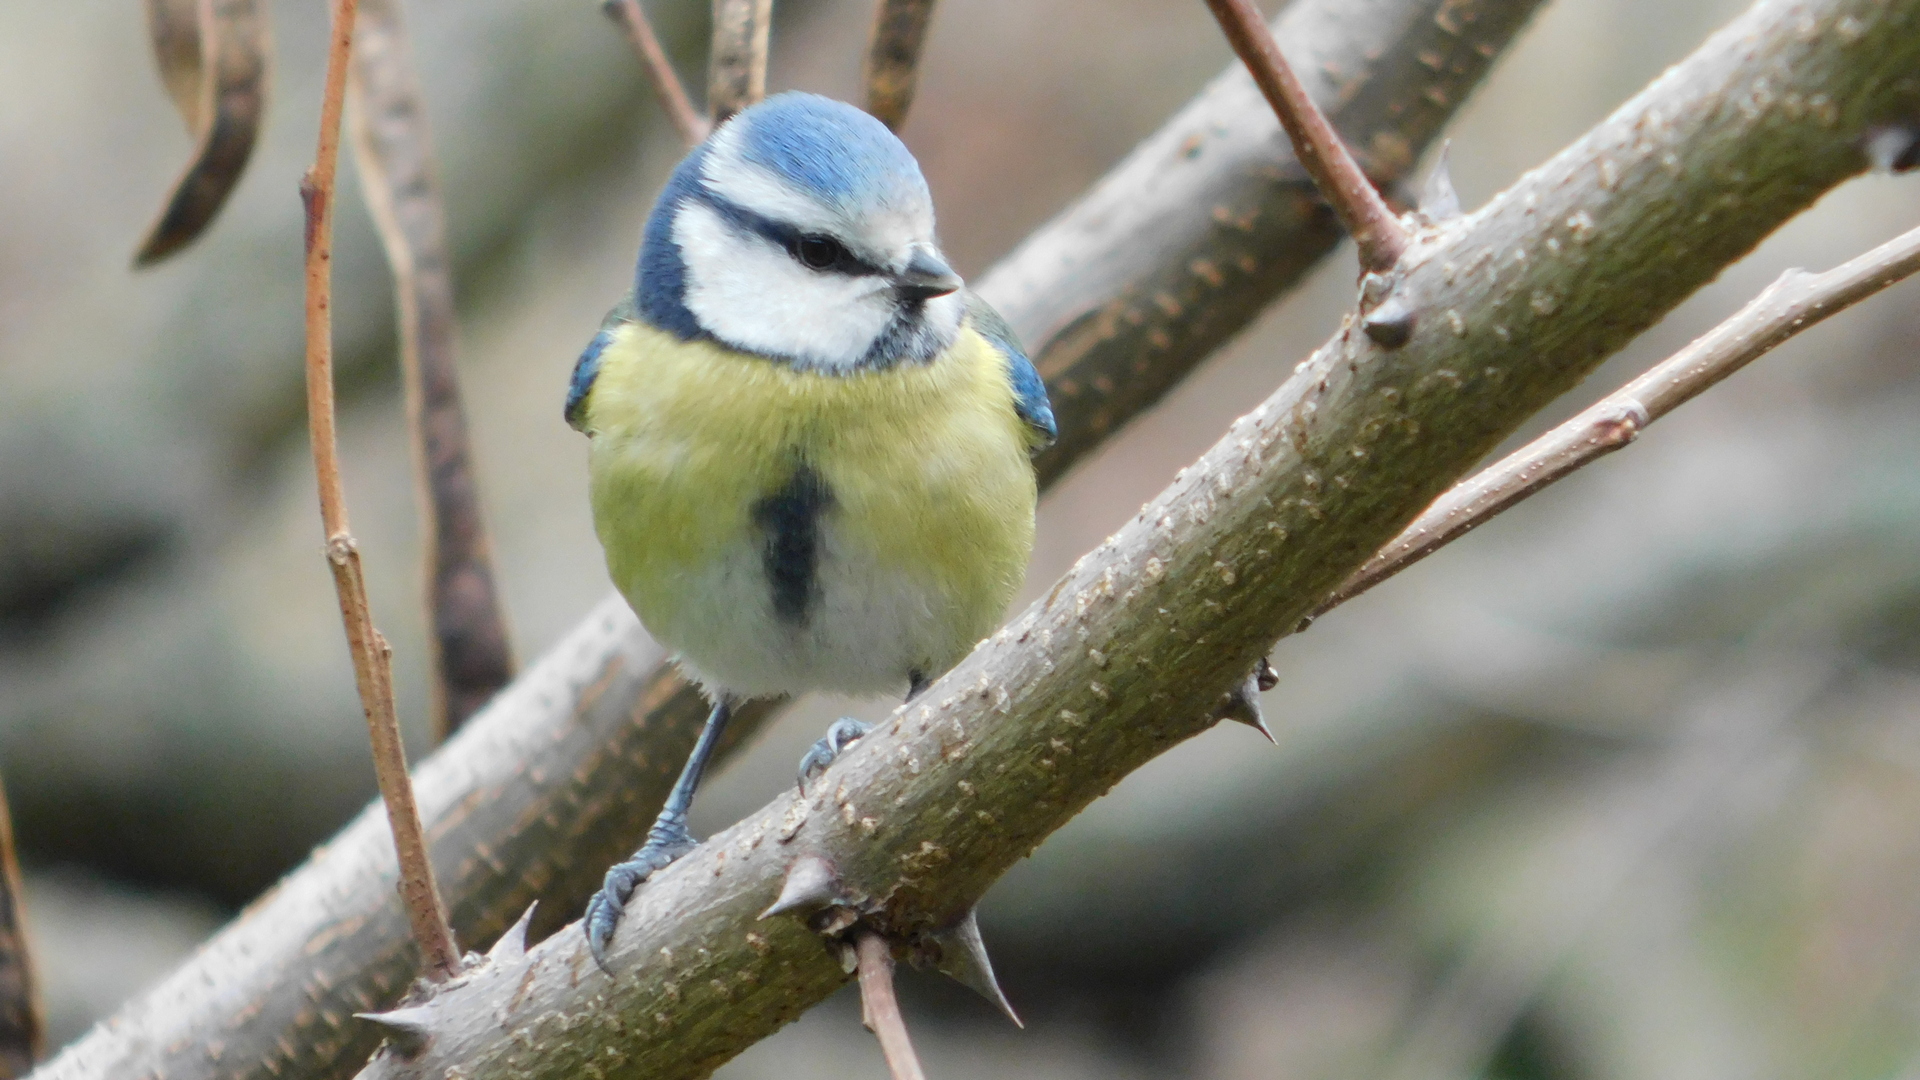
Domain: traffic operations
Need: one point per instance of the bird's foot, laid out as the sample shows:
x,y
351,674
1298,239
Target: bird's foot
x,y
844,733
666,842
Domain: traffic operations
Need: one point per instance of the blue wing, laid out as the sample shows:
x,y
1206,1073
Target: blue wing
x,y
1029,393
587,367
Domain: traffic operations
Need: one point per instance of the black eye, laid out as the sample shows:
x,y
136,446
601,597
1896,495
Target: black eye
x,y
820,252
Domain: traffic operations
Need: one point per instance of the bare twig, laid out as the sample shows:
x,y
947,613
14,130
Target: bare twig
x,y
1375,227
880,1010
387,122
693,127
737,71
893,57
1795,302
372,656
22,1030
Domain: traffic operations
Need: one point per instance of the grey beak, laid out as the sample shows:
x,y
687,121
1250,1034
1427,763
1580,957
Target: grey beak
x,y
927,275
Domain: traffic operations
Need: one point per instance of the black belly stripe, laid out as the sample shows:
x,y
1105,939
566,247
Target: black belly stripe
x,y
790,549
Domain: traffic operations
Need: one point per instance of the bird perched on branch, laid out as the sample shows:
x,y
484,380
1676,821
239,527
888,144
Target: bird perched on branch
x,y
810,463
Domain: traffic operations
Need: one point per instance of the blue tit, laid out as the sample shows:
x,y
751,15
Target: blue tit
x,y
810,460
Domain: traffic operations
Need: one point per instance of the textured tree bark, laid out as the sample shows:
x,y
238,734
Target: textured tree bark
x,y
1120,296
1134,650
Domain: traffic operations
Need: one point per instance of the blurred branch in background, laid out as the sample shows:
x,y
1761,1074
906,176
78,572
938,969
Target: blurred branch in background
x,y
1739,712
22,1029
213,60
387,121
372,656
667,87
893,58
1130,652
737,66
1122,294
880,1009
1797,301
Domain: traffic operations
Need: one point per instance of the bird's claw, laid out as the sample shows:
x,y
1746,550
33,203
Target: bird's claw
x,y
844,733
663,846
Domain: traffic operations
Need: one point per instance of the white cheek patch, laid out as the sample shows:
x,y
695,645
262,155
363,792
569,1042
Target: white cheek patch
x,y
752,295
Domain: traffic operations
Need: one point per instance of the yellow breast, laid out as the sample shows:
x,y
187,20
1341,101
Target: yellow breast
x,y
924,528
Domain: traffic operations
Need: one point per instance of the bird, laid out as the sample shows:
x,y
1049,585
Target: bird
x,y
810,445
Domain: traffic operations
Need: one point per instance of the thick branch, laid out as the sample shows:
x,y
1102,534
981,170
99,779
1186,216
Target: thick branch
x,y
1133,651
472,659
1120,296
372,657
1796,302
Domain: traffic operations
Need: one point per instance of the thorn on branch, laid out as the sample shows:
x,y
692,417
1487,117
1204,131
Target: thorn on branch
x,y
408,1030
962,957
1243,701
810,885
1439,202
1374,226
1894,148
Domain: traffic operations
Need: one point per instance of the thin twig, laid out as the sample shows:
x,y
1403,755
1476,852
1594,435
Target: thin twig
x,y
22,1028
737,70
693,127
372,656
893,57
1375,227
880,1010
1794,302
387,122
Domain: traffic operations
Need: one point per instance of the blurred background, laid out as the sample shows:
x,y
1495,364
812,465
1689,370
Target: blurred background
x,y
1627,784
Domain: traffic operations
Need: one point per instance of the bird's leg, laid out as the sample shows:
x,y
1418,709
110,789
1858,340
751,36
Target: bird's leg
x,y
666,841
844,733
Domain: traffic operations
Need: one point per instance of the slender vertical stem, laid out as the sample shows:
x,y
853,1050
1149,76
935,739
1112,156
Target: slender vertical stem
x,y
692,126
737,71
1375,227
880,1010
22,1028
893,57
372,656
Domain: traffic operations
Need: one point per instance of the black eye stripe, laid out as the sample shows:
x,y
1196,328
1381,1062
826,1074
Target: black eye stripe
x,y
791,240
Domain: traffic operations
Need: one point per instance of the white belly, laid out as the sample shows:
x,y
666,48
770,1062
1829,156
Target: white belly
x,y
869,630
